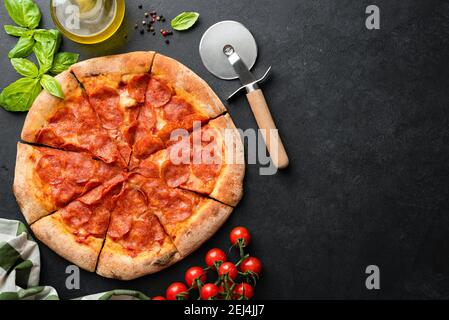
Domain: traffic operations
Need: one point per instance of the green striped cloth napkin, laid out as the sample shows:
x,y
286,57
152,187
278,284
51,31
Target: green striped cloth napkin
x,y
20,269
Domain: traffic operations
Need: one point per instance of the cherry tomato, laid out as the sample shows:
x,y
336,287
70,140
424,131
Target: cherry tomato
x,y
159,298
177,290
209,291
252,265
193,274
243,290
228,268
240,233
215,255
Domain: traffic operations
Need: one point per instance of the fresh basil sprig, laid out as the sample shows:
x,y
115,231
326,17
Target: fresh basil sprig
x,y
25,13
19,96
25,67
184,20
62,61
47,44
16,31
23,48
52,86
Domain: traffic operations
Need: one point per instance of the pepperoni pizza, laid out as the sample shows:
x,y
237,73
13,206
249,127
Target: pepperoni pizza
x,y
133,170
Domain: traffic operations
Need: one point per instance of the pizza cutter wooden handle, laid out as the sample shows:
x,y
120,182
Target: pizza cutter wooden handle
x,y
269,131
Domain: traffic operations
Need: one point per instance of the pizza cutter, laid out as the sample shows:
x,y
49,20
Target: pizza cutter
x,y
229,51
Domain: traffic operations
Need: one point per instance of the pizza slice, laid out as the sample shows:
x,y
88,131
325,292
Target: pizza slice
x,y
116,87
136,243
48,179
176,98
188,218
209,161
69,124
77,232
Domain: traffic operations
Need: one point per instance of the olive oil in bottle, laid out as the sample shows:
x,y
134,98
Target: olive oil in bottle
x,y
88,21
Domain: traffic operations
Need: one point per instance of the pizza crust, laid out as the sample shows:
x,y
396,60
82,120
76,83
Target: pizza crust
x,y
202,225
133,62
116,263
190,85
46,105
28,195
51,231
229,186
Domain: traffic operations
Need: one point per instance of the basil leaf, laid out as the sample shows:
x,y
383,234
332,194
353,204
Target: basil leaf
x,y
47,44
43,35
23,48
63,61
25,13
17,31
25,67
184,21
52,86
19,95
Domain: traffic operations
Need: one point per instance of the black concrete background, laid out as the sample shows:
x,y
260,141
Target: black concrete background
x,y
364,118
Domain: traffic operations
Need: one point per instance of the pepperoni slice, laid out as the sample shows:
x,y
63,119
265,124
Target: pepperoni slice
x,y
106,103
48,136
148,169
110,187
144,233
98,223
50,169
206,172
120,225
179,207
177,109
137,87
158,93
64,192
76,214
100,145
136,200
132,203
175,174
210,162
144,147
209,156
83,112
64,121
147,118
157,191
173,202
80,168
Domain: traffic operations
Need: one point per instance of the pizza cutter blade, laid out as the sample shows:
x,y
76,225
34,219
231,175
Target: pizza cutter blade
x,y
228,50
